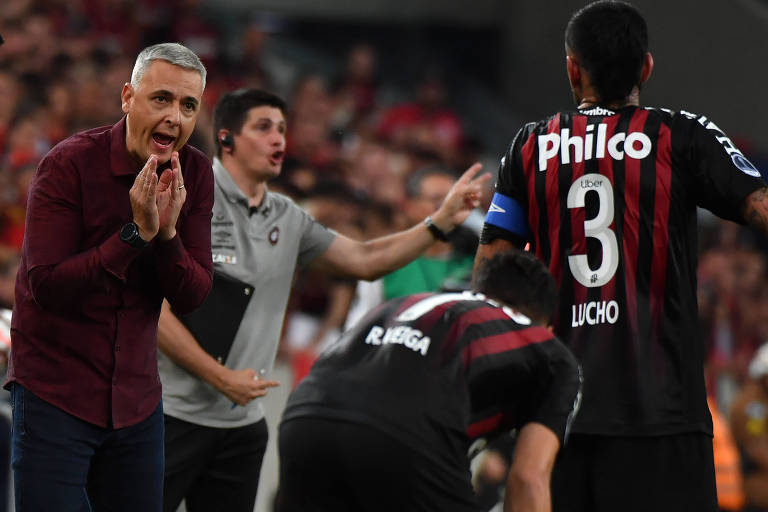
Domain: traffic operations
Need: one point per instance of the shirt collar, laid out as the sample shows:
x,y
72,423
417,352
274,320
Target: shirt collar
x,y
231,191
120,161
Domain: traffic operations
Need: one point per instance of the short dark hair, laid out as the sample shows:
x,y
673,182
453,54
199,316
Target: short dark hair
x,y
232,109
610,39
520,280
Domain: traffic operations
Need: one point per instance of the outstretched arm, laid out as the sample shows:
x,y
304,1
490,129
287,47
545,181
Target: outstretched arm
x,y
375,258
528,483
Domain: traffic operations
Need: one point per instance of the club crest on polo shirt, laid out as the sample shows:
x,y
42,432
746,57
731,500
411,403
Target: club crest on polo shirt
x,y
274,235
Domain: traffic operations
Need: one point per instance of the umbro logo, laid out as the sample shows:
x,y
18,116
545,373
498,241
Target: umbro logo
x,y
496,208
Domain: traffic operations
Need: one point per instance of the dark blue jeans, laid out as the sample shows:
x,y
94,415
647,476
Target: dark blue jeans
x,y
63,463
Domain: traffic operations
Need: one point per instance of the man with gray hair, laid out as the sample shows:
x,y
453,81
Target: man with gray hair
x,y
113,227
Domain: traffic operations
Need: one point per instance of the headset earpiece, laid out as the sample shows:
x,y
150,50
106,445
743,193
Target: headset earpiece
x,y
226,140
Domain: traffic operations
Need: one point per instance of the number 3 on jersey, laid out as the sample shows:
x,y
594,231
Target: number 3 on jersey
x,y
597,227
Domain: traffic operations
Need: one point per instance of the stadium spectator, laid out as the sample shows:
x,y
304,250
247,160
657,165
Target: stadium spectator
x,y
607,196
9,97
385,417
447,265
354,90
214,449
371,161
426,124
310,125
749,424
731,286
105,241
728,476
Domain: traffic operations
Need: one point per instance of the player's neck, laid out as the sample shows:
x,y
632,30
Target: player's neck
x,y
591,99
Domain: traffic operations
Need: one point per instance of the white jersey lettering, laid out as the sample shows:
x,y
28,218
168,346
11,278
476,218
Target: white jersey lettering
x,y
636,145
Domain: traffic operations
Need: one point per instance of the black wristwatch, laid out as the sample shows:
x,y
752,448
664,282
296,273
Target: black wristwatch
x,y
130,235
437,233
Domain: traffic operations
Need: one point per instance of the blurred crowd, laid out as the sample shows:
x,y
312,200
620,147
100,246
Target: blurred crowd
x,y
349,157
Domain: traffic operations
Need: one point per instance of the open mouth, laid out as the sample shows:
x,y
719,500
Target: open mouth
x,y
162,140
277,157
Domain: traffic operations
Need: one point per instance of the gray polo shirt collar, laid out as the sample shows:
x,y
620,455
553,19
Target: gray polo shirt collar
x,y
231,191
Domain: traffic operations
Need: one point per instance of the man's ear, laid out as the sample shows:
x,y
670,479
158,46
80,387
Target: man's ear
x,y
645,74
126,97
574,72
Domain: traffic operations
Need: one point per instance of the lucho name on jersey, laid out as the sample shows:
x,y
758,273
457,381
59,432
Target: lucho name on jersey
x,y
595,312
635,145
404,335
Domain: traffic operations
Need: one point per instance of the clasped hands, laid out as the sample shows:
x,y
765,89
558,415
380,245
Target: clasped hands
x,y
156,202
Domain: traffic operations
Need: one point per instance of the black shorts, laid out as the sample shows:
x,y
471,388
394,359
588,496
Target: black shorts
x,y
336,466
664,473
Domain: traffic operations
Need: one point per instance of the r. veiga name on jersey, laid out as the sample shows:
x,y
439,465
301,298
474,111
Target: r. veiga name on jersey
x,y
411,338
595,312
636,145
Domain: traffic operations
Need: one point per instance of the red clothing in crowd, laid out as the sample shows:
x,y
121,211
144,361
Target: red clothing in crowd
x,y
442,122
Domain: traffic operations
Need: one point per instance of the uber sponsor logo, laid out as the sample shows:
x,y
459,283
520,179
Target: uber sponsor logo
x,y
635,145
229,259
595,312
589,184
411,338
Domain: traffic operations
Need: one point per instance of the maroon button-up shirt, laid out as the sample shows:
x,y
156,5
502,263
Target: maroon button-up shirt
x,y
84,327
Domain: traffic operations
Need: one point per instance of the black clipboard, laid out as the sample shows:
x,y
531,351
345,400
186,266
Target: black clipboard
x,y
215,323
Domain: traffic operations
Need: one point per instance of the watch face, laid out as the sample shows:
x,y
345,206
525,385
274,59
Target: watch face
x,y
129,232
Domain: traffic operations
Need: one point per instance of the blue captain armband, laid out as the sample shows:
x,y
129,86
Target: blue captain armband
x,y
506,213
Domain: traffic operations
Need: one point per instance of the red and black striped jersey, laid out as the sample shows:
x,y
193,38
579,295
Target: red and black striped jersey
x,y
608,201
436,370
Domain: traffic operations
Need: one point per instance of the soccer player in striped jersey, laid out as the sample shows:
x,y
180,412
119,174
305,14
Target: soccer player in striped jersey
x,y
606,195
383,421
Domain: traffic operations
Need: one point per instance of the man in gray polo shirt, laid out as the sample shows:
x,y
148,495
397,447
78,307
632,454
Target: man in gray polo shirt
x,y
215,429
